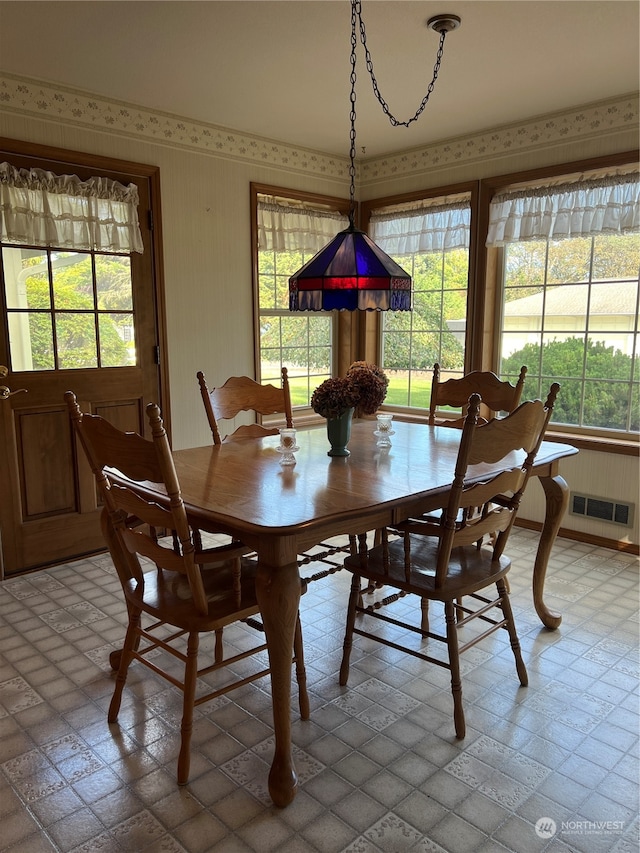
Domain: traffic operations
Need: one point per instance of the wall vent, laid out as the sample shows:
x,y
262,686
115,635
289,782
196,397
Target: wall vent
x,y
603,509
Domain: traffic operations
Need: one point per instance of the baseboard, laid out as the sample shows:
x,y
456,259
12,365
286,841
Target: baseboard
x,y
589,539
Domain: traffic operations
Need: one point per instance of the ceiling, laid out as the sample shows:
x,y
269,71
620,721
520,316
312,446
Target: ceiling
x,y
280,68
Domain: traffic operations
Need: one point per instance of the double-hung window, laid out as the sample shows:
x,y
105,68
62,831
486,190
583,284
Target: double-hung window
x,y
430,239
571,291
290,230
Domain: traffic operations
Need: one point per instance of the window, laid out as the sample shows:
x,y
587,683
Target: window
x,y
430,239
66,269
68,310
290,230
571,290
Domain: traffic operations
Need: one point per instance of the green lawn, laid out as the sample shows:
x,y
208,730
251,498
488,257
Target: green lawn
x,y
396,392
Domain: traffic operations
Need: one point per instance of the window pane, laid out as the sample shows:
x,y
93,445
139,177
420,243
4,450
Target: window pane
x,y
72,280
76,340
606,404
267,292
26,278
113,283
117,340
31,341
282,292
525,264
398,388
616,256
569,260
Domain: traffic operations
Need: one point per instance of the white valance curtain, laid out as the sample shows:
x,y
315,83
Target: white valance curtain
x,y
291,228
39,208
584,208
420,228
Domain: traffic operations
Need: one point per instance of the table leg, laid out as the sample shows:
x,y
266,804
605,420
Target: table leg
x,y
557,495
278,592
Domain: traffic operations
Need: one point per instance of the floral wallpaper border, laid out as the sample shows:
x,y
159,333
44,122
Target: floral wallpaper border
x,y
70,106
580,123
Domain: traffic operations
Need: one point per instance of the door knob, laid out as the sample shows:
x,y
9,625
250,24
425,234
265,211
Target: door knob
x,y
5,392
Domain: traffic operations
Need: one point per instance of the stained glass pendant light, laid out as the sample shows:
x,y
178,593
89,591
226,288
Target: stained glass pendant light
x,y
351,273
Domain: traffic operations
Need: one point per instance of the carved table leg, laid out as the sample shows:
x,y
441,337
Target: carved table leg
x,y
557,495
278,592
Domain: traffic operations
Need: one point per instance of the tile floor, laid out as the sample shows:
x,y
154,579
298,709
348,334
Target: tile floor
x,y
551,767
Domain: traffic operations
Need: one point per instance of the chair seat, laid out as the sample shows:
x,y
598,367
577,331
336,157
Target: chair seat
x,y
470,568
164,592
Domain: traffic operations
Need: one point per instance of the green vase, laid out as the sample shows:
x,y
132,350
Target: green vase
x,y
339,433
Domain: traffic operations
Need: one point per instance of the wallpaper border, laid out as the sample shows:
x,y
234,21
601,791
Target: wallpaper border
x,y
71,106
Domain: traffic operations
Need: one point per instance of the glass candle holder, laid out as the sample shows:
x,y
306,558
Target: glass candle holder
x,y
288,446
384,430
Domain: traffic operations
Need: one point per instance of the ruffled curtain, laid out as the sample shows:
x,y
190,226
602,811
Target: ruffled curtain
x,y
581,209
284,228
39,208
422,228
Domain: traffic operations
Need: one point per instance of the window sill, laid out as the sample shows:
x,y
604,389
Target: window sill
x,y
598,443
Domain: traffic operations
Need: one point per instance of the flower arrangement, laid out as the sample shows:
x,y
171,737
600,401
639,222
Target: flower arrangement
x,y
372,383
364,387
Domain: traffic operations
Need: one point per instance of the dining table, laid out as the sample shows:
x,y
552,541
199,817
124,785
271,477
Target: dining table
x,y
240,488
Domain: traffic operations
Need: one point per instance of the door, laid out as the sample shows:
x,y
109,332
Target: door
x,y
71,320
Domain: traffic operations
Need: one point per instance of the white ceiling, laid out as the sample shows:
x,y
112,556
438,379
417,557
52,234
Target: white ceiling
x,y
280,68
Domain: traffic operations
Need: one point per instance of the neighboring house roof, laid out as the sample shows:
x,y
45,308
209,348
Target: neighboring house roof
x,y
610,297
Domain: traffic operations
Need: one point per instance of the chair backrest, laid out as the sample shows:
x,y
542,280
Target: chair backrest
x,y
498,395
242,394
141,462
499,494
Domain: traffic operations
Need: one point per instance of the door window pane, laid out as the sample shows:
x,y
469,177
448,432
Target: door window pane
x,y
89,291
72,280
117,340
76,341
31,341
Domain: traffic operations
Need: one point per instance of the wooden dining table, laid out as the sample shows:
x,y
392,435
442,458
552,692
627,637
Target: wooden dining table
x,y
241,489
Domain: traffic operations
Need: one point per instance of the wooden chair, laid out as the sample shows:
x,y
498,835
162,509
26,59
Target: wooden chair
x,y
442,561
170,605
242,394
497,395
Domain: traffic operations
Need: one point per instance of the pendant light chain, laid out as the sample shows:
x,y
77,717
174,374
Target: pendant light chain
x,y
352,118
356,8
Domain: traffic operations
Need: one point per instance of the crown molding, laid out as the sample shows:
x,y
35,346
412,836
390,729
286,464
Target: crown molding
x,y
68,106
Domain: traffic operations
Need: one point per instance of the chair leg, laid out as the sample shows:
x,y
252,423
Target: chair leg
x,y
301,673
424,611
189,689
454,664
131,643
354,595
218,649
505,604
459,610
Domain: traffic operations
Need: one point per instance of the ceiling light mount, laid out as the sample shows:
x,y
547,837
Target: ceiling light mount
x,y
444,23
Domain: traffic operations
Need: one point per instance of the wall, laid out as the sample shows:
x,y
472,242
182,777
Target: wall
x,y
205,175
